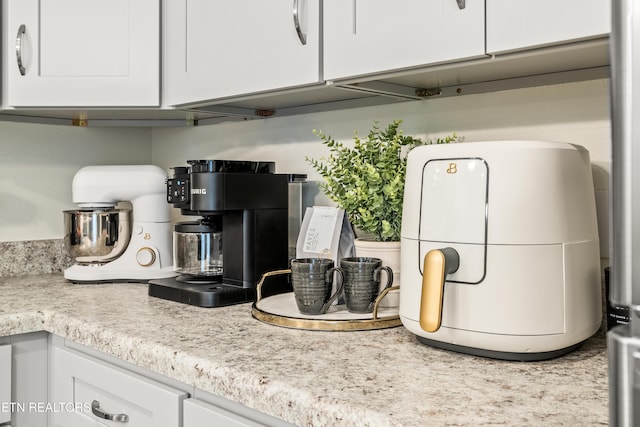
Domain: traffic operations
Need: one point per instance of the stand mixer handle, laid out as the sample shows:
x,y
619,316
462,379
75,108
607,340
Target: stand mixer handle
x,y
437,264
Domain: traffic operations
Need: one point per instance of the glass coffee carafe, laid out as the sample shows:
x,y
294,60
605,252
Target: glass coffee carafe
x,y
197,249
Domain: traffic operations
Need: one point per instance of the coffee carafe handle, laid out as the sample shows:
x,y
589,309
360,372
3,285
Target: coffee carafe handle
x,y
437,264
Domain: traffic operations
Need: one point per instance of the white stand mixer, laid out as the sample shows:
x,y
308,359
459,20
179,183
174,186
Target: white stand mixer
x,y
137,253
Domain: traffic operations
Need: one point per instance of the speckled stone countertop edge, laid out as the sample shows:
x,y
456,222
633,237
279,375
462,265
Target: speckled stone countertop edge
x,y
309,378
198,372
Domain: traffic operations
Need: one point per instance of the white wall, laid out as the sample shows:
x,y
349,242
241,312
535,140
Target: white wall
x,y
37,164
576,113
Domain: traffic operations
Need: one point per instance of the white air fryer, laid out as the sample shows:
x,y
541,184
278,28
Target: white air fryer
x,y
500,250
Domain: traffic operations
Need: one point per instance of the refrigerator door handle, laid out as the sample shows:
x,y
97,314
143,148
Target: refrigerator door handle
x,y
625,187
624,341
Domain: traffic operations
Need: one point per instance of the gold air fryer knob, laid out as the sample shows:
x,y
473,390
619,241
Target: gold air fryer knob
x,y
437,264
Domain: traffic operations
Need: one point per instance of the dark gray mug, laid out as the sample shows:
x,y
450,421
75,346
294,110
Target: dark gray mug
x,y
362,282
312,280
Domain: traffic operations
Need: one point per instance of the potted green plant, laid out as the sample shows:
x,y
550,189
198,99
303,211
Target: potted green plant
x,y
367,181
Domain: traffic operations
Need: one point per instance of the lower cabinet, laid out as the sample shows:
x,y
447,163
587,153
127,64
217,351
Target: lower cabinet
x,y
91,392
5,383
91,388
47,381
23,375
201,414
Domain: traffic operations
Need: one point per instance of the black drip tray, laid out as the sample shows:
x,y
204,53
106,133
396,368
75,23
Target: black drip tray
x,y
200,293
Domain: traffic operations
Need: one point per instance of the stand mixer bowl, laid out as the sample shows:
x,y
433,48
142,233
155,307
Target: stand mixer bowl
x,y
96,235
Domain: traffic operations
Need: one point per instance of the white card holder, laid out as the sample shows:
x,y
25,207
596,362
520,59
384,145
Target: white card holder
x,y
325,233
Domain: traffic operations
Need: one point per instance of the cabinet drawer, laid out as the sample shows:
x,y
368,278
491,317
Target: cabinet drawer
x,y
201,414
5,381
78,381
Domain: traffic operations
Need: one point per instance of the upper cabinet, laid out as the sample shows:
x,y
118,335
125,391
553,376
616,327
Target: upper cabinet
x,y
524,24
363,37
253,58
65,53
214,50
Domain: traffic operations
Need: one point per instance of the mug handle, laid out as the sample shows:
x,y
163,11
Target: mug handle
x,y
377,276
329,277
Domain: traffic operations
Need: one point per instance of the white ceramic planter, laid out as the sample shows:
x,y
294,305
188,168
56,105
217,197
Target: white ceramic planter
x,y
389,253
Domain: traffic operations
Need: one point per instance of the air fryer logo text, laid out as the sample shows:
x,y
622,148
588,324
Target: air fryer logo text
x,y
453,168
198,191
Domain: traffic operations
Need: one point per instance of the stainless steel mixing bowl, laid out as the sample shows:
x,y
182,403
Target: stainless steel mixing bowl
x,y
98,235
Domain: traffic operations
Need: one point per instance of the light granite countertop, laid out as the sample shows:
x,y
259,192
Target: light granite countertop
x,y
310,378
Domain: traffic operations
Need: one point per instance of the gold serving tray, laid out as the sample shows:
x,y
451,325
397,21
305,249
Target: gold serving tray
x,y
281,310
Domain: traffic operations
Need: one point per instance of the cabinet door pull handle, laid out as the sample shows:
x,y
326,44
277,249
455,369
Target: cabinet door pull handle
x,y
461,4
296,22
19,38
98,412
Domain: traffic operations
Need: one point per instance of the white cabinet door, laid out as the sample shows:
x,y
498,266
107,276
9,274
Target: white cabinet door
x,y
5,383
522,24
82,53
216,49
369,36
30,370
85,387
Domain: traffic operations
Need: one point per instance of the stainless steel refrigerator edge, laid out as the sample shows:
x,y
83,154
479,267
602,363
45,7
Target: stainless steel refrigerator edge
x,y
624,341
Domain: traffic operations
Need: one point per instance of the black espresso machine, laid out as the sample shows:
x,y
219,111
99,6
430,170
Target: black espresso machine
x,y
242,231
